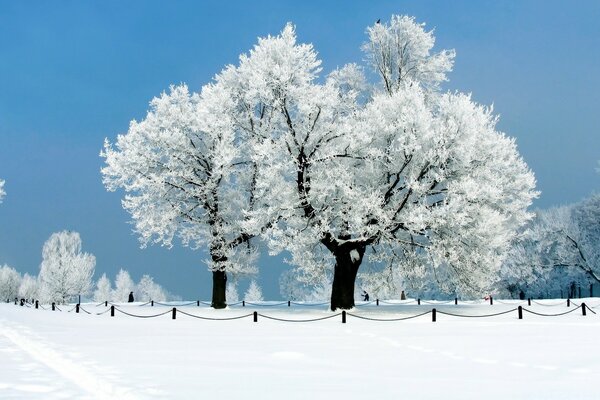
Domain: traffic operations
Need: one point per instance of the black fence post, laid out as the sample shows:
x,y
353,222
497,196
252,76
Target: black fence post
x,y
243,303
520,312
456,301
289,303
152,303
77,308
53,306
106,303
529,301
22,302
112,311
418,301
255,315
174,313
198,303
491,301
377,301
568,302
583,307
37,304
343,317
433,315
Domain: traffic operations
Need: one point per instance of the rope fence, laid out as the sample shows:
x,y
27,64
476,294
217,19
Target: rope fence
x,y
434,311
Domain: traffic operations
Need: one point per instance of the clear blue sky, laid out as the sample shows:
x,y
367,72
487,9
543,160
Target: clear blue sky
x,y
75,72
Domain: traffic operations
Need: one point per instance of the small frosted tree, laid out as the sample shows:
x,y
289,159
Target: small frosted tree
x,y
103,290
231,291
10,281
253,293
65,270
123,286
29,287
2,192
147,290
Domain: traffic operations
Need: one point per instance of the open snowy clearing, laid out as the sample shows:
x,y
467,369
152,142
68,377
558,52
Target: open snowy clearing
x,y
64,355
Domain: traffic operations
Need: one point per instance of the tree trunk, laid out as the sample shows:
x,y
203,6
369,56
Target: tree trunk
x,y
218,292
347,261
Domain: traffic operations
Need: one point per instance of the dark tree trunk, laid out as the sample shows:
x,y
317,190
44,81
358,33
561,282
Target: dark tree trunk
x,y
344,276
218,292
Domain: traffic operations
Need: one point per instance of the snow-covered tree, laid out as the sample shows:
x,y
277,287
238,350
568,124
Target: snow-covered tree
x,y
10,280
147,290
187,175
28,289
558,251
123,286
232,291
2,192
253,293
409,176
65,271
103,290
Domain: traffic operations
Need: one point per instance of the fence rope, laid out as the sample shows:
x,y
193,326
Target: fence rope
x,y
55,306
437,303
104,312
308,304
143,316
477,316
171,305
389,319
551,315
215,319
562,303
396,304
299,320
265,305
84,310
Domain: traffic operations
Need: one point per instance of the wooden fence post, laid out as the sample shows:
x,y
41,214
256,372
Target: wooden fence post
x,y
53,306
419,302
255,315
456,301
568,302
112,311
37,304
583,307
520,312
77,308
174,312
343,317
433,315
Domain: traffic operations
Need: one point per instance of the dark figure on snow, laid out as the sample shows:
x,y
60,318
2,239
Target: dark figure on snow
x,y
365,295
522,295
402,296
130,297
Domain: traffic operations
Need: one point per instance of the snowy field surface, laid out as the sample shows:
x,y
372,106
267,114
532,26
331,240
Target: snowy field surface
x,y
65,355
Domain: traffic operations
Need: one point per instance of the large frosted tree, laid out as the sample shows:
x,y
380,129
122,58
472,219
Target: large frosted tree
x,y
65,270
401,172
187,176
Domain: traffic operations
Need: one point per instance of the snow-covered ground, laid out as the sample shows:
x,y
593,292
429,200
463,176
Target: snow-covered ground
x,y
64,355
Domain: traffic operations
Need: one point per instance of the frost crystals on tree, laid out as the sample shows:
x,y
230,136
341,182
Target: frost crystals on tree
x,y
10,280
405,175
103,290
65,271
187,174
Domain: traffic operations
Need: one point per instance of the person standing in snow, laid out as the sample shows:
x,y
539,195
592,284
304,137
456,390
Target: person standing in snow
x,y
130,297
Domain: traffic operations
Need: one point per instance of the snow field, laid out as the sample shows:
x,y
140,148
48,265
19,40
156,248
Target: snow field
x,y
61,355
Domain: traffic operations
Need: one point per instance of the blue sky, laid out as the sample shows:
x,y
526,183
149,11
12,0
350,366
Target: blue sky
x,y
75,72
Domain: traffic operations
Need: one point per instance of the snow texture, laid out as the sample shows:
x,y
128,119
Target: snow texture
x,y
56,355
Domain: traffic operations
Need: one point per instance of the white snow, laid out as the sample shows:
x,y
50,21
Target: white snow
x,y
63,355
